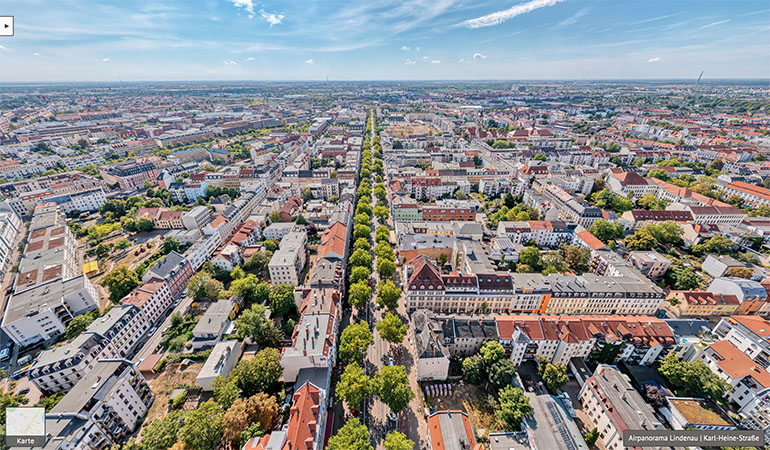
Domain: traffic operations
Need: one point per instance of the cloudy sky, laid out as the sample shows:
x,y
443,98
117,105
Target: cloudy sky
x,y
95,40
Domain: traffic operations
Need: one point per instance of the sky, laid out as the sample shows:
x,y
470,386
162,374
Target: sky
x,y
166,40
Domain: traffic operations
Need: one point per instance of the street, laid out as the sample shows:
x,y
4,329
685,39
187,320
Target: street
x,y
154,341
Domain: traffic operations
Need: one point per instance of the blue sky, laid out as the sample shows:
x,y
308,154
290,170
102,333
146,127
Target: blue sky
x,y
104,40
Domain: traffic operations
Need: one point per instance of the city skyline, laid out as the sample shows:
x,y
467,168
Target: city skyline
x,y
415,40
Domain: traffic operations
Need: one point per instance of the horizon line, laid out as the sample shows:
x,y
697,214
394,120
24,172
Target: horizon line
x,y
321,80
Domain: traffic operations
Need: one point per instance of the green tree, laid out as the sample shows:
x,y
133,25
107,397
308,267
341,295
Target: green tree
x,y
361,258
79,324
163,433
718,244
491,352
591,436
659,174
254,324
606,231
203,428
391,328
386,268
395,440
144,224
555,376
361,231
170,244
554,263
362,244
576,257
120,282
359,274
530,256
393,387
539,157
641,240
354,342
282,300
381,213
226,391
680,278
693,379
513,407
607,200
460,195
259,374
473,369
359,293
388,295
501,373
354,386
49,401
352,436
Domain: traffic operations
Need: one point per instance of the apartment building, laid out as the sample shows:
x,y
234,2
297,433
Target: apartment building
x,y
636,339
43,312
222,360
151,298
214,323
751,194
196,218
445,211
613,406
102,409
750,334
570,208
650,263
174,269
432,354
543,233
749,380
702,303
10,227
451,430
314,340
286,265
114,335
720,215
129,174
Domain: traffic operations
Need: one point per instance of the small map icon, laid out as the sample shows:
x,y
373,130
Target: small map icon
x,y
23,425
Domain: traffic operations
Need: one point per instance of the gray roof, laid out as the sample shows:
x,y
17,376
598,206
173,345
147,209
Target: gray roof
x,y
167,265
429,344
95,384
551,426
215,318
42,297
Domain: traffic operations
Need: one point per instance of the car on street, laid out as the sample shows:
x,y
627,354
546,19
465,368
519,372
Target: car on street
x,y
23,391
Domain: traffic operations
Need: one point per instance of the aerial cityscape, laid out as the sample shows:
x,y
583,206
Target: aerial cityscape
x,y
352,242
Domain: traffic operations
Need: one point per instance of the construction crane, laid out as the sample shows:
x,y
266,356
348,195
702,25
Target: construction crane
x,y
699,77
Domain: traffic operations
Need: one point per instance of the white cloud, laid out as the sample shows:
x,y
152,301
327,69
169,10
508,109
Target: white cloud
x,y
248,5
409,62
713,24
479,56
461,60
424,57
405,48
106,60
655,60
271,18
249,59
499,17
435,61
36,54
417,49
4,49
573,18
231,63
309,61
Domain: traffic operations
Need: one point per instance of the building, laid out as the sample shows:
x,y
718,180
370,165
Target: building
x,y
196,218
750,334
174,269
451,430
106,406
551,426
445,211
635,339
702,303
433,355
129,174
696,414
223,358
751,194
720,215
10,227
650,263
745,290
314,340
542,233
114,335
750,381
613,406
720,265
286,265
43,312
278,230
214,323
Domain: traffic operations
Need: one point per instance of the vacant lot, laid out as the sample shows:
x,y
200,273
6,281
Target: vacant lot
x,y
163,383
477,401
